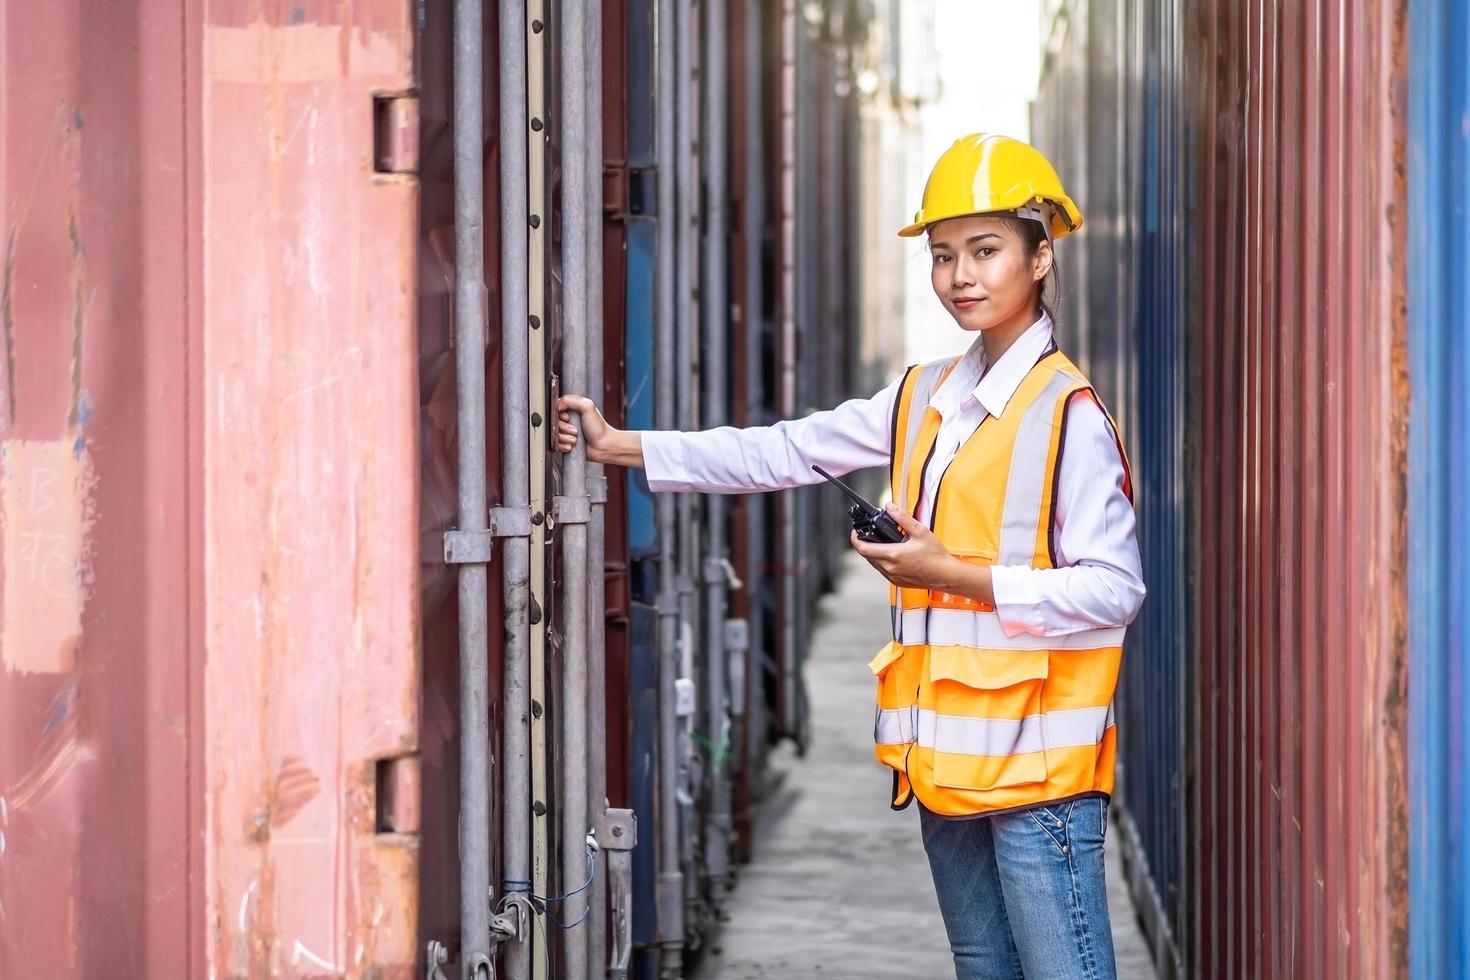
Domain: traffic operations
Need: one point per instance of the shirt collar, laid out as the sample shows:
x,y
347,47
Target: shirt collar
x,y
993,388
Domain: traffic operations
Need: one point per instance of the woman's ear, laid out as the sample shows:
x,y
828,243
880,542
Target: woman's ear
x,y
1043,262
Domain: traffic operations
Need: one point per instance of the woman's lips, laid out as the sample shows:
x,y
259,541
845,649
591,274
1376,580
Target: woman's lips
x,y
967,302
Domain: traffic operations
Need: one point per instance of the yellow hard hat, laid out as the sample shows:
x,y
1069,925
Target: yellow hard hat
x,y
983,174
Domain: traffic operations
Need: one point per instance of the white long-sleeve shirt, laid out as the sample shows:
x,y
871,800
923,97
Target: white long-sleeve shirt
x,y
1098,581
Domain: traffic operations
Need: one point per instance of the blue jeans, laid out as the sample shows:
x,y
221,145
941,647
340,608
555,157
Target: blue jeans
x,y
1023,894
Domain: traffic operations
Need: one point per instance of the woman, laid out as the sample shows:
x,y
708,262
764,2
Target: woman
x,y
1012,590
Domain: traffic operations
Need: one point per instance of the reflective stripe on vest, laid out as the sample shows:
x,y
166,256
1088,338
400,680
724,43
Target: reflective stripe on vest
x,y
993,736
975,720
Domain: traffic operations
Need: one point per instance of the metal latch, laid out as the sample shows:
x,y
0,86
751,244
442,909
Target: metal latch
x,y
467,547
597,489
479,967
619,835
510,522
719,571
509,924
737,634
475,547
571,510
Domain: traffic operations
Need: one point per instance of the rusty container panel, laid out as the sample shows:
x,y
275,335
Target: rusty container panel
x,y
1266,405
100,576
1299,332
311,492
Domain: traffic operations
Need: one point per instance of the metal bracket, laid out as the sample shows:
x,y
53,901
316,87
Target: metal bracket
x,y
737,649
479,968
685,697
597,489
438,956
737,635
476,547
510,922
571,510
467,547
618,830
719,571
510,522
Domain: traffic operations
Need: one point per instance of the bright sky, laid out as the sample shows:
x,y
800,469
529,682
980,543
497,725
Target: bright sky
x,y
989,54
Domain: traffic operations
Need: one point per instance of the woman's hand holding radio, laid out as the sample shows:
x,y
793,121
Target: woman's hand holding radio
x,y
922,562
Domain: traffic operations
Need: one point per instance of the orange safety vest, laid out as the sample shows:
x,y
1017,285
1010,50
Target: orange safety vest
x,y
973,720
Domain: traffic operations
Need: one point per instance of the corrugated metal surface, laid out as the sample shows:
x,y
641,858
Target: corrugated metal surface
x,y
1123,311
1301,427
1439,531
101,570
1157,704
1282,381
311,492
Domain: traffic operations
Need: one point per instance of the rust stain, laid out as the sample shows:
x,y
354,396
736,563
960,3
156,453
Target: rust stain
x,y
344,39
296,785
263,928
1394,188
218,924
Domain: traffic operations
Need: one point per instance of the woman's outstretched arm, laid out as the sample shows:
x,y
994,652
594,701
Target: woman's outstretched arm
x,y
854,435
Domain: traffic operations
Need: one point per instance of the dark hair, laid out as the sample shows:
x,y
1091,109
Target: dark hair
x,y
1032,234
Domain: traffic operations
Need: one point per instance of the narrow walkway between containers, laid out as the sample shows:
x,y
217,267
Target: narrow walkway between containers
x,y
839,886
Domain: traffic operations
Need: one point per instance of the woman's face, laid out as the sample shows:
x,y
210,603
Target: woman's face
x,y
982,274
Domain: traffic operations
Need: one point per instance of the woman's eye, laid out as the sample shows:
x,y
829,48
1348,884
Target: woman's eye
x,y
984,252
941,259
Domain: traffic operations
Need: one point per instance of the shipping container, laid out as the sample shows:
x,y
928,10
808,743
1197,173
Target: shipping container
x,y
1110,111
273,702
1301,786
103,568
1439,453
1256,351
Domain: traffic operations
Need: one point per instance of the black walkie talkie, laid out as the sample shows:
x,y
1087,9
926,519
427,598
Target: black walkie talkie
x,y
871,523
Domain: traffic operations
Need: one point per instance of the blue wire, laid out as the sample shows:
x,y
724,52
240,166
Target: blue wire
x,y
542,905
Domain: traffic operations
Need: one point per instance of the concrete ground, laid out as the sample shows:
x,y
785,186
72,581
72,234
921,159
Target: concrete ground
x,y
840,886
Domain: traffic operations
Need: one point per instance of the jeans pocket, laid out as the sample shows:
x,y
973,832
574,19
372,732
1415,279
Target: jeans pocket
x,y
1055,820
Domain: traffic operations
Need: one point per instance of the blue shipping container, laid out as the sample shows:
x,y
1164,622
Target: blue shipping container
x,y
1439,473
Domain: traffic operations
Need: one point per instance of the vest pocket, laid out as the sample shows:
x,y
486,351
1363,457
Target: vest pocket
x,y
894,723
988,728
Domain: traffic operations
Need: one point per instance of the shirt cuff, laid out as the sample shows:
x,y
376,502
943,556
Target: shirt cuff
x,y
663,461
1017,599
